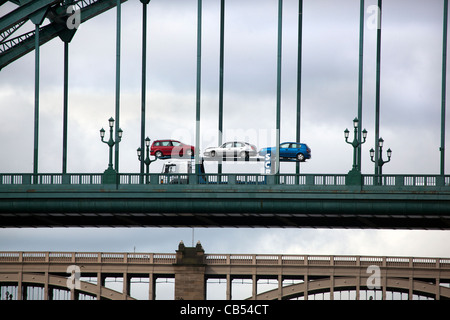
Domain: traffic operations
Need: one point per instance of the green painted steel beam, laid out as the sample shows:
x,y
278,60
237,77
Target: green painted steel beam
x,y
278,96
51,31
360,79
444,86
299,77
36,102
221,77
24,12
143,81
198,86
117,88
377,87
46,34
224,205
65,106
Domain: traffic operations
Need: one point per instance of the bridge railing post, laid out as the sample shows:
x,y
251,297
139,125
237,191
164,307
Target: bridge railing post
x,y
399,181
193,178
310,180
270,179
440,181
26,179
154,178
65,178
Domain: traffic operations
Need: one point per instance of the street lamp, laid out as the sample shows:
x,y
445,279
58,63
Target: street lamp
x,y
147,160
355,143
354,176
111,144
381,162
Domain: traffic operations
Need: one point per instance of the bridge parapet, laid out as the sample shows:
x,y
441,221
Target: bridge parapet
x,y
224,259
322,180
284,200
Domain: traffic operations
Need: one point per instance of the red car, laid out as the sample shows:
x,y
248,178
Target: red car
x,y
171,148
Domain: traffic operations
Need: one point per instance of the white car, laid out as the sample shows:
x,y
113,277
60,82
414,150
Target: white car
x,y
232,149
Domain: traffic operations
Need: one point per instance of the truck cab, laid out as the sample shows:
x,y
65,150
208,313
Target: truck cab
x,y
178,171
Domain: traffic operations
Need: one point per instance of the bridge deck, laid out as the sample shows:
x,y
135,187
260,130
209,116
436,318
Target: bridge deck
x,y
226,200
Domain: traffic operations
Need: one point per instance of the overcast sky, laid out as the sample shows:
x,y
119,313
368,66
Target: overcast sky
x,y
410,109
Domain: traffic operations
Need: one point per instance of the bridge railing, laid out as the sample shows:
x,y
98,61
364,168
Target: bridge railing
x,y
224,259
87,257
321,260
324,180
407,180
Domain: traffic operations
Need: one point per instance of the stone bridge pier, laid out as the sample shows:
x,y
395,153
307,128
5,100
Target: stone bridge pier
x,y
189,270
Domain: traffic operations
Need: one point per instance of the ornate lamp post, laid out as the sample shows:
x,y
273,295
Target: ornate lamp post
x,y
381,162
110,173
354,176
147,160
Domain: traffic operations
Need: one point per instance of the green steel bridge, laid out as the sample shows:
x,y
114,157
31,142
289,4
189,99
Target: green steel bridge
x,y
113,198
225,200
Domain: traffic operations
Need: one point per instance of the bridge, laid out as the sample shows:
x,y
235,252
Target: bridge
x,y
114,198
224,200
82,275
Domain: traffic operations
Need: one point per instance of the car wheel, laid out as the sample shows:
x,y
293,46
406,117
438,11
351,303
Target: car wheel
x,y
300,157
245,155
213,154
158,154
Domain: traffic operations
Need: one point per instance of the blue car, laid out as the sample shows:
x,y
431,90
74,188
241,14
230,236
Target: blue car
x,y
299,151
